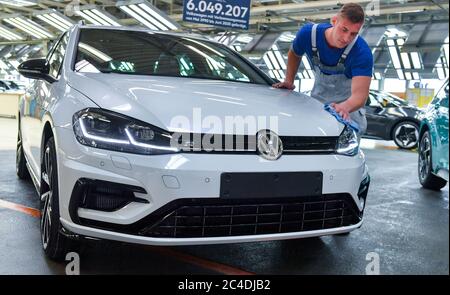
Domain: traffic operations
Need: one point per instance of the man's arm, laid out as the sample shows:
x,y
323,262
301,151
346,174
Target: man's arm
x,y
291,70
360,92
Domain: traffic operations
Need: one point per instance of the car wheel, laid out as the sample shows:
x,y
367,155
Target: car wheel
x,y
406,135
426,177
55,244
21,162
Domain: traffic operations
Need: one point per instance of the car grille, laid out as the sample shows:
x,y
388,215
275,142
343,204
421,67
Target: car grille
x,y
247,144
254,217
294,144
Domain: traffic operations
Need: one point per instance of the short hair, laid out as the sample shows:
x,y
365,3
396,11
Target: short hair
x,y
353,12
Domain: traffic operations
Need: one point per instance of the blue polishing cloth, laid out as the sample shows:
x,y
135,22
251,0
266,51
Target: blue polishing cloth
x,y
352,124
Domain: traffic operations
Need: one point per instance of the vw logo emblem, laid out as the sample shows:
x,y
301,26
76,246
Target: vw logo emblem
x,y
270,146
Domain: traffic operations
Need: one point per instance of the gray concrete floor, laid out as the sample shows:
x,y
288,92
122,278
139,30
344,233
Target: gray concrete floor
x,y
405,225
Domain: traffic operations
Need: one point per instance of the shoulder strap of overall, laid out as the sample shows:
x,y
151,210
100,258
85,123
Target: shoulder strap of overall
x,y
315,52
347,50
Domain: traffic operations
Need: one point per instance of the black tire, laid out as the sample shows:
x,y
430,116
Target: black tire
x,y
54,243
406,134
21,162
426,177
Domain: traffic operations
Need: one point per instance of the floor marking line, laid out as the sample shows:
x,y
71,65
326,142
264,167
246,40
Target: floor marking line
x,y
204,263
20,208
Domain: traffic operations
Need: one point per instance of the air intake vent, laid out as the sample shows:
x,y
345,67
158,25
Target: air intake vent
x,y
102,196
256,218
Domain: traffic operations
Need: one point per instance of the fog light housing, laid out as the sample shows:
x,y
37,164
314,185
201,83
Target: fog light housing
x,y
102,196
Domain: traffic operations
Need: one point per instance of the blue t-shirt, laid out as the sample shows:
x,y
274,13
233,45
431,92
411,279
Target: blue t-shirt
x,y
359,61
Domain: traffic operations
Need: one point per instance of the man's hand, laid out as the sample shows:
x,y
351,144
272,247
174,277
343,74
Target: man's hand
x,y
342,110
284,85
360,92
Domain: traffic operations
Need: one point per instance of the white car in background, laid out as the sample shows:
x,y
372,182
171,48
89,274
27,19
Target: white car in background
x,y
98,134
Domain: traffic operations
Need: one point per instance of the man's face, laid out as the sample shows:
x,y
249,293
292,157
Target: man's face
x,y
344,31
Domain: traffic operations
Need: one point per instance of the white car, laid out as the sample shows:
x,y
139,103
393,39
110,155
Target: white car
x,y
110,133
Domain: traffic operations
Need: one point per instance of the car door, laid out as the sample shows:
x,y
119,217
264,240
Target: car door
x,y
374,117
442,128
28,122
39,103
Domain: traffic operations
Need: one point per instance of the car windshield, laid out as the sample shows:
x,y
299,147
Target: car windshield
x,y
147,53
3,85
442,96
385,98
12,85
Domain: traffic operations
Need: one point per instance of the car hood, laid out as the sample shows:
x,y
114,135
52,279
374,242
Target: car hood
x,y
164,101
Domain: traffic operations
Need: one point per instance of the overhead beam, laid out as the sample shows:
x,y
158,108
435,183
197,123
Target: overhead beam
x,y
15,8
40,41
53,3
304,6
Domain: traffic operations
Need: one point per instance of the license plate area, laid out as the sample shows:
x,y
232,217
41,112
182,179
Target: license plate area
x,y
270,184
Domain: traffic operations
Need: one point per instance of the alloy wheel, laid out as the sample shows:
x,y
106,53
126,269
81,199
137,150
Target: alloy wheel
x,y
406,135
424,158
19,151
46,198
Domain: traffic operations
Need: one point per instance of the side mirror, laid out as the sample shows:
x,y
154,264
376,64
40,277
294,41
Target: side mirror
x,y
35,69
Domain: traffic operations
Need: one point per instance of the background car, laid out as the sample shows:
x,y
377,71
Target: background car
x,y
433,148
4,87
11,86
392,118
14,85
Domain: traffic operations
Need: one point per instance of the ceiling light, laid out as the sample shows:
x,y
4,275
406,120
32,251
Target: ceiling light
x,y
279,57
19,2
29,27
306,63
148,15
3,65
268,62
273,59
405,60
286,37
8,34
441,73
394,57
416,60
94,15
400,74
55,19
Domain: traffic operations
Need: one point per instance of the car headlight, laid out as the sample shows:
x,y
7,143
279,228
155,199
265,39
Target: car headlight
x,y
112,131
348,143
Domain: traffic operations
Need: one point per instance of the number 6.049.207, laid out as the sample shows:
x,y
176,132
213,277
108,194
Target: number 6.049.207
x,y
218,8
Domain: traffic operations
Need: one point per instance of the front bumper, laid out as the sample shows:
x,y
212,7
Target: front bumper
x,y
168,179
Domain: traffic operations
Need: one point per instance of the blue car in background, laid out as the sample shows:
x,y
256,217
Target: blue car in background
x,y
433,142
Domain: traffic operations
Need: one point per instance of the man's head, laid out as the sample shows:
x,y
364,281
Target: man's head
x,y
346,25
